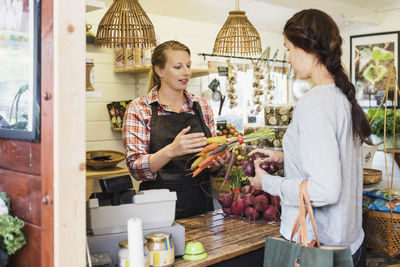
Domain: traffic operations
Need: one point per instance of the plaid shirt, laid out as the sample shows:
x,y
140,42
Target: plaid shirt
x,y
136,129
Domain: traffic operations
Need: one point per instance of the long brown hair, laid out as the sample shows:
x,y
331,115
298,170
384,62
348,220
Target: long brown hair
x,y
159,58
317,33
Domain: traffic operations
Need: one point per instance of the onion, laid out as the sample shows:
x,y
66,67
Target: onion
x,y
225,200
251,213
260,203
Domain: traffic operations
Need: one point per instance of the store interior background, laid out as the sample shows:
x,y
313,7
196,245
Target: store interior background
x,y
196,24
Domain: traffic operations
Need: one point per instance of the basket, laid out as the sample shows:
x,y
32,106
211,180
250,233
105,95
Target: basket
x,y
100,159
383,232
371,176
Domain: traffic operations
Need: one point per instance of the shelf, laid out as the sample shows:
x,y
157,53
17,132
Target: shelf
x,y
93,94
92,5
105,173
195,72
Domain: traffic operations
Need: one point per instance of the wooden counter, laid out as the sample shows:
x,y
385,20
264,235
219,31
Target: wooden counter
x,y
225,237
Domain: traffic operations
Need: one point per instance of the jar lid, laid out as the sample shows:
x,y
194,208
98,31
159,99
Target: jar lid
x,y
158,236
124,243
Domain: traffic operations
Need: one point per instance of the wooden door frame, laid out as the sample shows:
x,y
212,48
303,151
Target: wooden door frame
x,y
63,133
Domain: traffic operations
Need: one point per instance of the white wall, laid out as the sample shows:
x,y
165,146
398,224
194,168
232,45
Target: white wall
x,y
391,23
198,36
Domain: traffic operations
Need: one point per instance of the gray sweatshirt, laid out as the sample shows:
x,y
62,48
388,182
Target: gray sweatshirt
x,y
319,146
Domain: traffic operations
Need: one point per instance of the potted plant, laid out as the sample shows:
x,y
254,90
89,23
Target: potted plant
x,y
377,127
11,236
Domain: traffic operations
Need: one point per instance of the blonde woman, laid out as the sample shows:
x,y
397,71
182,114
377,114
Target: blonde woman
x,y
166,127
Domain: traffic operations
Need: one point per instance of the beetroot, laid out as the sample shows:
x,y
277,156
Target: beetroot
x,y
249,169
227,211
257,155
245,189
225,200
251,213
260,203
272,168
244,162
270,214
265,166
248,200
255,191
276,201
237,207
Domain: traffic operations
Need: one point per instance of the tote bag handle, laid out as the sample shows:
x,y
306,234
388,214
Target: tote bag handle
x,y
301,218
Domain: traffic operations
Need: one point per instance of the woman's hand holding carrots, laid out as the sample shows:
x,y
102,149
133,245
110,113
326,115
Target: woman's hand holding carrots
x,y
185,143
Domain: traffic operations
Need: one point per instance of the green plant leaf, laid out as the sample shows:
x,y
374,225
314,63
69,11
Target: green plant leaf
x,y
381,54
365,56
374,74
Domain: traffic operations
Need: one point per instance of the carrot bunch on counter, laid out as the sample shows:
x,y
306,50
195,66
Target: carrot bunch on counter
x,y
217,146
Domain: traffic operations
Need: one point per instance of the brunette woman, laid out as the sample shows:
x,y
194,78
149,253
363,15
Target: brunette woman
x,y
165,128
323,141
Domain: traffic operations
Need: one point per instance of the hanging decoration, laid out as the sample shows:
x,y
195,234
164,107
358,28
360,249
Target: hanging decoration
x,y
125,24
237,37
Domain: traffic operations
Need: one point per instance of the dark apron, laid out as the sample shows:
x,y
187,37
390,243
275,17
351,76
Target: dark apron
x,y
176,175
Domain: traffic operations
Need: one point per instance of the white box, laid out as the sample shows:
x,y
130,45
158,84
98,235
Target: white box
x,y
156,208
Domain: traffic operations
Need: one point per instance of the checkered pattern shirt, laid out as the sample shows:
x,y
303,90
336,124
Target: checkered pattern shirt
x,y
136,129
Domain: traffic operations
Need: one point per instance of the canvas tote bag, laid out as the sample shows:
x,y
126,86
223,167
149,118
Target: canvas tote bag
x,y
282,253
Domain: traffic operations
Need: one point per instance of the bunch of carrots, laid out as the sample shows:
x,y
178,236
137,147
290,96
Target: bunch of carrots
x,y
217,146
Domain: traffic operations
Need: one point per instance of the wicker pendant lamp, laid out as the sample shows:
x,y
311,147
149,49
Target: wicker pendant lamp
x,y
237,37
125,24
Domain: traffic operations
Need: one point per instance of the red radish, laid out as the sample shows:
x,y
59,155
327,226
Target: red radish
x,y
237,207
245,189
227,211
251,213
225,200
260,203
276,201
270,214
248,200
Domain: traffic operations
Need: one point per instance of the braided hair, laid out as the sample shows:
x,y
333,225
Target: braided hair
x,y
317,33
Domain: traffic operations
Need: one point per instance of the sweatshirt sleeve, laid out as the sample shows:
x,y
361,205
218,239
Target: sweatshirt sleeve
x,y
319,160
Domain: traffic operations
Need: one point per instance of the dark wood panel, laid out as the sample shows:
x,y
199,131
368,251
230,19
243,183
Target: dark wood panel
x,y
20,156
24,191
28,255
47,144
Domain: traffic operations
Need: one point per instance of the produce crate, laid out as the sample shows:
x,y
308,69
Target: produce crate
x,y
216,183
383,232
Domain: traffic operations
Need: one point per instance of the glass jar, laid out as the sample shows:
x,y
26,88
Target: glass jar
x,y
161,249
123,254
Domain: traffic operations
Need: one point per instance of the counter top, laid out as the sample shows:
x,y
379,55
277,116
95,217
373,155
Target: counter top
x,y
225,237
105,173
